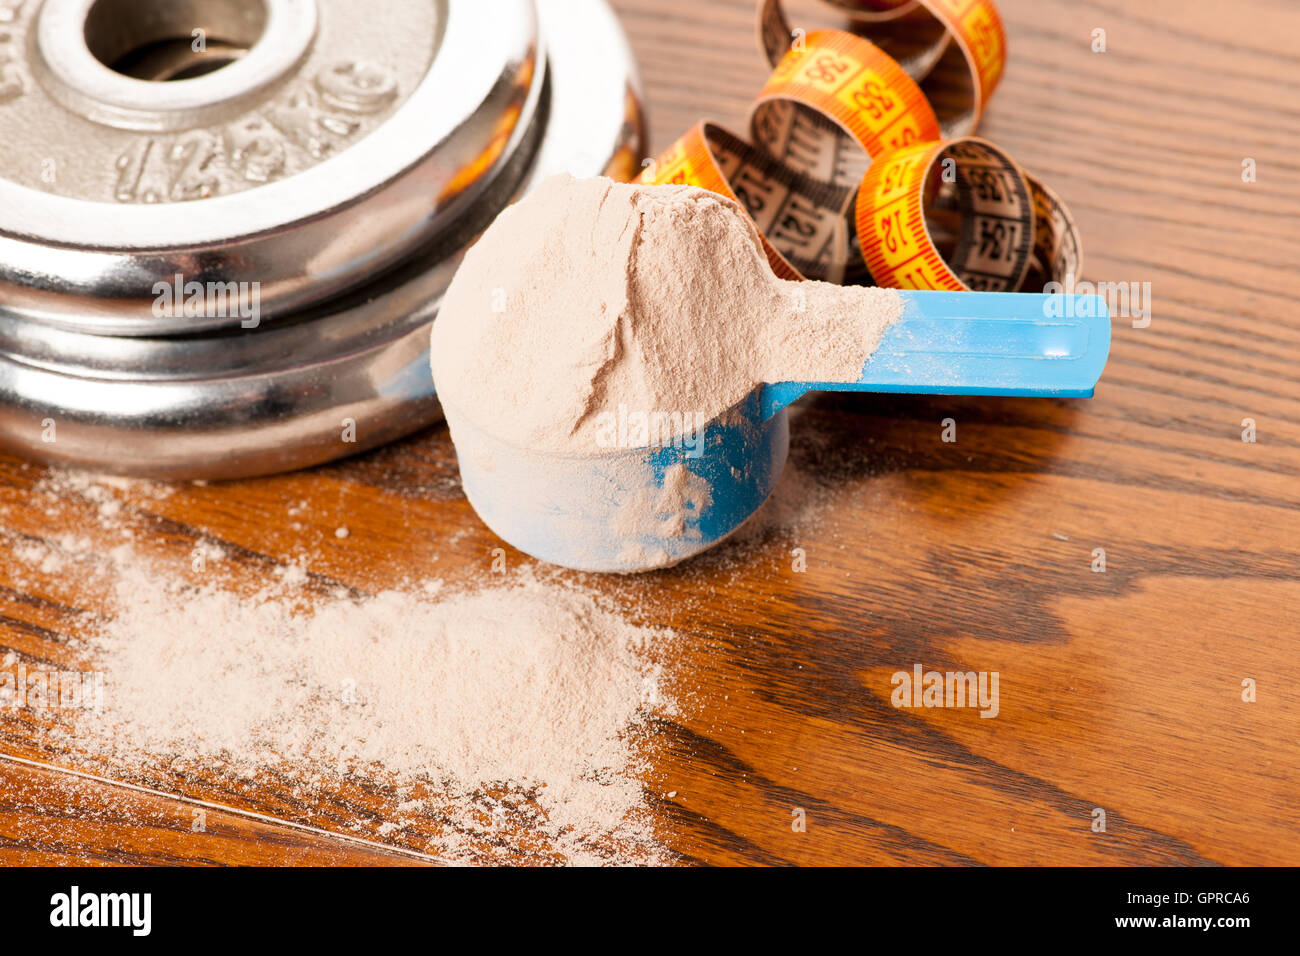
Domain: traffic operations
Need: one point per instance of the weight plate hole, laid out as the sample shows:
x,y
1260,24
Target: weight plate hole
x,y
163,40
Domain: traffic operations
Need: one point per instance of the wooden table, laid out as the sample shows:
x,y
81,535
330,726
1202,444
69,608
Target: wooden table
x,y
1120,690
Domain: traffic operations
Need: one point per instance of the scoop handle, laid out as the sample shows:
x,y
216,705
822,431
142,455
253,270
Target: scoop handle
x,y
980,343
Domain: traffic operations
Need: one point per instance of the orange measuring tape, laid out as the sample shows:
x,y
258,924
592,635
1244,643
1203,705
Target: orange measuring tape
x,y
860,166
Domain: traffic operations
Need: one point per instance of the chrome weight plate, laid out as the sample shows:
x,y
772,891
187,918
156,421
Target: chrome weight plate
x,y
343,375
302,145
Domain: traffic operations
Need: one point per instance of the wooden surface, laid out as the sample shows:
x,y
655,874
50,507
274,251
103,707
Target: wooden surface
x,y
1119,690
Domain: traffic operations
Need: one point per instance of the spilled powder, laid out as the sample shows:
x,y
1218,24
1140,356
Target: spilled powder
x,y
591,297
508,719
525,687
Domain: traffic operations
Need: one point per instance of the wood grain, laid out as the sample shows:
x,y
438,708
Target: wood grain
x,y
1119,690
53,818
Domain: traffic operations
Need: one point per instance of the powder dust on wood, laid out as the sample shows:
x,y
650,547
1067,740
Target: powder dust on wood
x,y
505,720
525,687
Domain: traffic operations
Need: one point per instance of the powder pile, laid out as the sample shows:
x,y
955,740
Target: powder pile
x,y
529,694
507,718
591,297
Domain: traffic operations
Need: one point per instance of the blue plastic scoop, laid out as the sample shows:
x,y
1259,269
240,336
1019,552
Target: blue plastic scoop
x,y
644,508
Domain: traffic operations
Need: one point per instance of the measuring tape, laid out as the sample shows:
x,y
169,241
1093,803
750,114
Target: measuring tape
x,y
860,166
